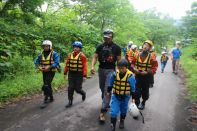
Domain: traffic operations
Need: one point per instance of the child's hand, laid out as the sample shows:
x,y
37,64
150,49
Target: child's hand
x,y
46,69
40,68
144,73
150,71
93,70
136,71
108,93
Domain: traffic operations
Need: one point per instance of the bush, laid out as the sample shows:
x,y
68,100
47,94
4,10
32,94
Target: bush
x,y
190,66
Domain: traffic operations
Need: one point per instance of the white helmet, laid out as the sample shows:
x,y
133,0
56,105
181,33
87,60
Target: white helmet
x,y
133,110
47,42
130,42
134,46
163,52
178,42
153,48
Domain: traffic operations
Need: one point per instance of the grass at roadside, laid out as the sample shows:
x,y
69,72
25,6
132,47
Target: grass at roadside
x,y
190,66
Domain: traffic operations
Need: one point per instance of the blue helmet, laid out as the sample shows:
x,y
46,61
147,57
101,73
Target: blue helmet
x,y
78,44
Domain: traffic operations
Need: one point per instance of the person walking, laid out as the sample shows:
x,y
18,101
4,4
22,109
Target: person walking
x,y
132,53
107,53
175,56
128,48
76,68
143,65
164,60
154,55
122,86
47,62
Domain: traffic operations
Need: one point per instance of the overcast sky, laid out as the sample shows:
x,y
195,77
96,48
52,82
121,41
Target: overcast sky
x,y
175,8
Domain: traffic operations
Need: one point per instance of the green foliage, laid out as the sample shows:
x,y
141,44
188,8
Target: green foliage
x,y
189,27
160,30
16,42
190,22
190,66
25,6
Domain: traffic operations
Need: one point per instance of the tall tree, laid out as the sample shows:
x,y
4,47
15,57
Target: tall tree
x,y
190,21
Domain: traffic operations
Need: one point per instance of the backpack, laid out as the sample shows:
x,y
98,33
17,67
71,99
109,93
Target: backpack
x,y
106,54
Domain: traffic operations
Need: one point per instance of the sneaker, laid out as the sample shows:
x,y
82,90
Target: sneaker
x,y
102,118
84,96
43,105
141,106
51,100
69,104
112,127
121,126
46,99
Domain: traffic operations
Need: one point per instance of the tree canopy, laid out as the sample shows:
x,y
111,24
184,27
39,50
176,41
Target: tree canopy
x,y
25,24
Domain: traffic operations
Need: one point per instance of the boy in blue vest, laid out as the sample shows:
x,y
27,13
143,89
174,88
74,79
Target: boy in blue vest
x,y
122,84
47,62
76,67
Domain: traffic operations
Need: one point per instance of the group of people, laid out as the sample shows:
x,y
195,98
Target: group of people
x,y
75,68
129,81
175,57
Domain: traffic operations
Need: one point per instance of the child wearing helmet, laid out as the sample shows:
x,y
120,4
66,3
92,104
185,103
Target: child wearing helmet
x,y
122,86
47,62
128,48
164,60
143,65
132,53
76,68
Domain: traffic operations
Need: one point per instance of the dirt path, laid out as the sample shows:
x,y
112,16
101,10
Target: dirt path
x,y
165,110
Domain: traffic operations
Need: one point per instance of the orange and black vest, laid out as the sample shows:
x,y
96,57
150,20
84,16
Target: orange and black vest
x,y
127,50
48,61
75,63
145,65
121,86
133,54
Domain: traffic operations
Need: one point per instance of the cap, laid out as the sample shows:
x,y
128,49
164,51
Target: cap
x,y
107,35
